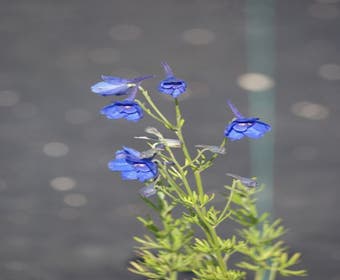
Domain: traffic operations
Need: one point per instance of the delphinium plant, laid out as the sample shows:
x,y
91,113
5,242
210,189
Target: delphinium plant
x,y
183,235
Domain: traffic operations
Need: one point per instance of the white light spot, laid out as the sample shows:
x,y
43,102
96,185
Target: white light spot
x,y
322,11
125,32
25,110
75,200
104,55
255,82
198,36
78,116
8,98
310,110
330,72
56,149
63,183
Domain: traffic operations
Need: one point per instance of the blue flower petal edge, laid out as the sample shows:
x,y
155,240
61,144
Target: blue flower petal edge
x,y
115,85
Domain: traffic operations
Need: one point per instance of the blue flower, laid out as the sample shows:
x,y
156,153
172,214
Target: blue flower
x,y
127,109
133,167
241,126
115,85
171,85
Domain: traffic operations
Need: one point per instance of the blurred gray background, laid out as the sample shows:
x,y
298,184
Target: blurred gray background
x,y
65,216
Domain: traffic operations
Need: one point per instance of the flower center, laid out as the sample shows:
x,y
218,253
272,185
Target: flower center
x,y
140,164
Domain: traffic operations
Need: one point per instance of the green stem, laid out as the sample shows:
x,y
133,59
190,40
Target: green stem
x,y
165,121
259,275
180,170
273,272
224,211
179,131
213,240
173,275
199,184
148,111
177,188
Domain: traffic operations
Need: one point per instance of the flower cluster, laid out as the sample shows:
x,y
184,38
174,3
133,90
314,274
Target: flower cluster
x,y
133,164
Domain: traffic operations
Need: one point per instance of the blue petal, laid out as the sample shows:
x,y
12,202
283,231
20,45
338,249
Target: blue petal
x,y
233,134
120,154
167,69
119,165
172,86
257,130
144,176
128,109
132,152
130,175
235,110
241,127
153,168
111,112
133,117
105,88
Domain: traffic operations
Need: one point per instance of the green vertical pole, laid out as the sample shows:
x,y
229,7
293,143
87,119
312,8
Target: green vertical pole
x,y
260,59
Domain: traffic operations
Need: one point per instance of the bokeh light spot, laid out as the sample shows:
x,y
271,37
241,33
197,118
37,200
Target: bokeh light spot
x,y
63,183
330,72
125,32
55,149
75,200
198,36
310,110
8,98
255,82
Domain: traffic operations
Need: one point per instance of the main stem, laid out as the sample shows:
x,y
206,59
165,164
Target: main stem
x,y
259,275
173,275
207,228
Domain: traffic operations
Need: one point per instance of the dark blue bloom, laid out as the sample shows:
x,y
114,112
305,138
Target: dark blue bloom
x,y
133,167
127,109
171,85
148,191
115,85
241,126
